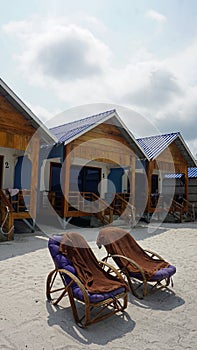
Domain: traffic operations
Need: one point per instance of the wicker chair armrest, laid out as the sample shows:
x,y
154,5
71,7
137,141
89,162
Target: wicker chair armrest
x,y
132,262
75,279
153,254
111,267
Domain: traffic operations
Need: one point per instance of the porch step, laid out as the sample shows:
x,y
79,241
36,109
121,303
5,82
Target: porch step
x,y
95,222
175,217
170,218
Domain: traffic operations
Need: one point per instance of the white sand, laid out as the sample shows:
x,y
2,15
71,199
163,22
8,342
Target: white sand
x,y
162,320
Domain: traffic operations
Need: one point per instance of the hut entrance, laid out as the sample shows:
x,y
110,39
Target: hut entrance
x,y
1,170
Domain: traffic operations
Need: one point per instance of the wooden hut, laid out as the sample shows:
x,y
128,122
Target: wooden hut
x,y
192,188
91,171
21,134
167,174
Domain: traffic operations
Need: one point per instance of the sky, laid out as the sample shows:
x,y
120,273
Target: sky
x,y
69,59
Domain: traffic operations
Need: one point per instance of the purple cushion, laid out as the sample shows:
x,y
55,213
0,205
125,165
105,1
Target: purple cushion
x,y
63,263
161,274
96,297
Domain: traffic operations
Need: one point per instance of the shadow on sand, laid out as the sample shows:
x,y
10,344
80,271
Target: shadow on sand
x,y
114,327
162,299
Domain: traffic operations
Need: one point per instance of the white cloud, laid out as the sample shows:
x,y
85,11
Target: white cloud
x,y
79,69
58,50
156,16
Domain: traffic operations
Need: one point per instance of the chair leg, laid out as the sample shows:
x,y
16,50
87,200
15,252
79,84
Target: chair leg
x,y
50,289
132,287
85,317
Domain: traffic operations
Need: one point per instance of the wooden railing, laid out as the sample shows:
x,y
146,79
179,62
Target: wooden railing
x,y
177,210
190,209
182,210
6,217
89,203
124,208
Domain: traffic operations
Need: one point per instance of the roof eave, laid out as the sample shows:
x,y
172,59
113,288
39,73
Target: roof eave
x,y
172,140
26,112
178,135
104,119
194,161
88,129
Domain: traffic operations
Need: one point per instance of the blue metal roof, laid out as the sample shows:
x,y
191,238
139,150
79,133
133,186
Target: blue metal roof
x,y
173,176
192,172
71,130
154,145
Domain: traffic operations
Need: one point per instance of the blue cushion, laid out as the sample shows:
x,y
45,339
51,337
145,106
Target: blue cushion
x,y
161,274
63,263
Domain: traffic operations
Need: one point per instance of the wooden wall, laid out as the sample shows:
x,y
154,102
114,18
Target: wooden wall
x,y
171,160
105,143
15,130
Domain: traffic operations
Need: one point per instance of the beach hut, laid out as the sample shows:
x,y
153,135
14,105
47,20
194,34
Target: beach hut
x,y
21,136
167,174
192,187
91,172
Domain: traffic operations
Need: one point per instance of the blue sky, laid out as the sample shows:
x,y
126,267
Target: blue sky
x,y
139,55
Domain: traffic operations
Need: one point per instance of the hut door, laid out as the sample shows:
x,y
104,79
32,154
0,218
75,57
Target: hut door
x,y
90,177
154,188
115,177
22,173
85,179
1,170
55,171
154,191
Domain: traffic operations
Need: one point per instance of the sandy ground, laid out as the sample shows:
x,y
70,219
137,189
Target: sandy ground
x,y
164,320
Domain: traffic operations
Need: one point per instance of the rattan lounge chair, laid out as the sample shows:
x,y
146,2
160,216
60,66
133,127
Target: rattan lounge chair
x,y
142,268
95,305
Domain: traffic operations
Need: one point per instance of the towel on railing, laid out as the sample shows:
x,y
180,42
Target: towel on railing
x,y
88,269
120,242
13,191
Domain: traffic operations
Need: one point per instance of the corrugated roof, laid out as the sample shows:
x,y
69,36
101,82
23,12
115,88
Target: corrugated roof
x,y
192,172
154,145
70,131
66,132
173,176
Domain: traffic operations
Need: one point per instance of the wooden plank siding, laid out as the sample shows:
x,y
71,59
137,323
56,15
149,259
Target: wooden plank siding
x,y
104,143
15,131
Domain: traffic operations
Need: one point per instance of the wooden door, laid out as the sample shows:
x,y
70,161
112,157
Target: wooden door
x,y
1,170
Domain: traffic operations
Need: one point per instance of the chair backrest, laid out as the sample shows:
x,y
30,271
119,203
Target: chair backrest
x,y
60,260
73,247
119,242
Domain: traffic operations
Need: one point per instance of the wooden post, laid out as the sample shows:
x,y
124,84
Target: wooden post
x,y
34,156
149,171
66,179
132,185
186,189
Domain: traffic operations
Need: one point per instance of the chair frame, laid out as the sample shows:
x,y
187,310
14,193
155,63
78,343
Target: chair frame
x,y
106,307
144,281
